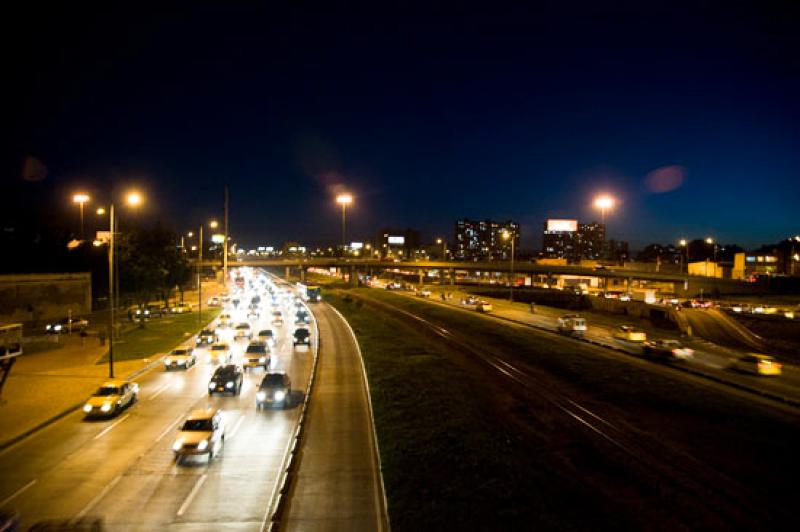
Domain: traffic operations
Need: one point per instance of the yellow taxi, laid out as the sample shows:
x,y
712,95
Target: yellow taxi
x,y
629,333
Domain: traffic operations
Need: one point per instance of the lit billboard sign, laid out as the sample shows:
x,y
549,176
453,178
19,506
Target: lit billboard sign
x,y
397,240
356,245
562,225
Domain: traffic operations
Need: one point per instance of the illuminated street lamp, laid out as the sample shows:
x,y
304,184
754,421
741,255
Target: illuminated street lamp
x,y
80,199
684,244
710,241
212,224
101,211
444,247
604,203
133,199
344,200
508,236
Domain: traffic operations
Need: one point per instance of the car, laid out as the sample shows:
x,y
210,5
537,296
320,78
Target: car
x,y
571,324
277,319
180,358
301,337
206,336
219,353
424,293
469,300
256,355
111,398
243,330
181,308
253,315
629,333
224,321
213,301
667,350
266,335
66,325
275,389
226,379
758,364
483,306
203,432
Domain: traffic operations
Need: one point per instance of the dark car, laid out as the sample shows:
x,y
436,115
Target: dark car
x,y
667,350
301,337
206,336
302,317
226,379
67,325
266,335
275,388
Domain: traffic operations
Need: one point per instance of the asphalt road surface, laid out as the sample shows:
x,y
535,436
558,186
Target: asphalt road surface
x,y
123,472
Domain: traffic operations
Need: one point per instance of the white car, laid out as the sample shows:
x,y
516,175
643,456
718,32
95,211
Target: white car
x,y
111,398
180,358
203,432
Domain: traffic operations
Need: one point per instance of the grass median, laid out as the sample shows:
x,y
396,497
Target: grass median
x,y
449,462
159,335
696,418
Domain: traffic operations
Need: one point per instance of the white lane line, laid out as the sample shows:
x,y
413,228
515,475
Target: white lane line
x,y
108,428
160,391
236,427
192,493
98,498
17,493
169,428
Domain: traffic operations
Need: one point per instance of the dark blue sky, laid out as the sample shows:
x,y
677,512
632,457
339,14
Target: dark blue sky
x,y
426,115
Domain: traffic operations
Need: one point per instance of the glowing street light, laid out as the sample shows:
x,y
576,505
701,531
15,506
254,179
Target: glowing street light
x,y
711,242
506,235
344,200
134,199
101,211
604,203
80,199
442,243
684,244
213,224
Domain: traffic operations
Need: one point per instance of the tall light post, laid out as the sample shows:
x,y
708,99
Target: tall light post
x,y
133,199
604,203
507,235
344,200
213,224
80,199
684,247
444,247
711,242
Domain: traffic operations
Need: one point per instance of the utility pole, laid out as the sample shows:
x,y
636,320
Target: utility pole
x,y
225,244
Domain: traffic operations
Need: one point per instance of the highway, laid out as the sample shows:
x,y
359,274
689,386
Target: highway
x,y
122,470
709,359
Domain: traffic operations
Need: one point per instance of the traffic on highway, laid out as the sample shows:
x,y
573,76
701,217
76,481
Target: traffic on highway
x,y
206,424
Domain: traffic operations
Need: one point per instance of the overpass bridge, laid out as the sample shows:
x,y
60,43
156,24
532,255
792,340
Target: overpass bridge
x,y
683,284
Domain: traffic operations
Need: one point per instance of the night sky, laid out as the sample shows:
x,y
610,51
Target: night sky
x,y
690,116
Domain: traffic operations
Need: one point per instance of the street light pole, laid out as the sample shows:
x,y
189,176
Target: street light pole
x,y
344,200
81,199
225,244
111,240
199,277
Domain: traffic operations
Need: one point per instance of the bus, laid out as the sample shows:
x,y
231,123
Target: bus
x,y
313,294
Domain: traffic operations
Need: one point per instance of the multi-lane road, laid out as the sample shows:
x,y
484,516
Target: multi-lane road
x,y
122,470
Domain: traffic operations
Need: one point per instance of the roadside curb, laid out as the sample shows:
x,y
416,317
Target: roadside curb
x,y
280,495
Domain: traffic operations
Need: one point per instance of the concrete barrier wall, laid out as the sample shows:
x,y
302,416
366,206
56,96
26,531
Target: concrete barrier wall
x,y
36,297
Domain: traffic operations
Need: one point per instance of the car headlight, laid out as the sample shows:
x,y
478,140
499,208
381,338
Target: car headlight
x,y
87,408
262,359
280,395
229,384
181,362
57,328
106,407
211,385
261,396
167,361
177,445
48,327
202,445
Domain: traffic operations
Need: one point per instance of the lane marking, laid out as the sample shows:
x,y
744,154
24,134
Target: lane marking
x,y
161,390
192,494
236,427
108,428
17,493
169,428
97,499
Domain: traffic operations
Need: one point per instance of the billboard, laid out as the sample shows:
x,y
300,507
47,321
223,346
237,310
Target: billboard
x,y
397,240
562,225
356,245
